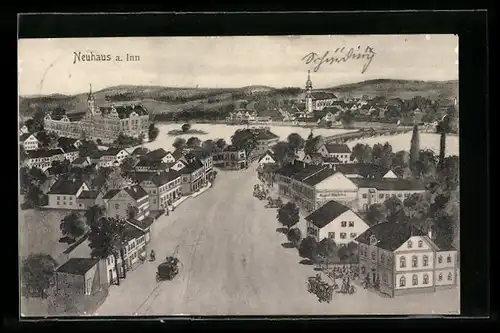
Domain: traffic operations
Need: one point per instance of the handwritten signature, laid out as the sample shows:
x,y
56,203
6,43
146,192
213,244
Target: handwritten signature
x,y
340,55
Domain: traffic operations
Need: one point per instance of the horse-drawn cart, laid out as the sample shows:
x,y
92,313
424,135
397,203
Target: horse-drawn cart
x,y
168,269
274,203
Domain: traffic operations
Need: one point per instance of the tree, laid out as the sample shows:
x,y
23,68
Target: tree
x,y
34,197
128,164
443,128
115,180
312,145
426,165
308,248
37,274
443,226
347,119
193,142
283,153
153,132
295,141
87,148
186,127
382,154
72,226
328,250
128,141
60,167
414,150
288,215
58,111
449,173
48,140
294,236
416,206
22,154
395,209
179,143
244,139
93,214
31,177
221,143
107,238
401,163
361,153
375,214
35,124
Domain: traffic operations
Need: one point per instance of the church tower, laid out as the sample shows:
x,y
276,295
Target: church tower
x,y
309,99
91,101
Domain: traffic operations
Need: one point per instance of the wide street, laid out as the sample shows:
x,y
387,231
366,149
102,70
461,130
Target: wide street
x,y
233,264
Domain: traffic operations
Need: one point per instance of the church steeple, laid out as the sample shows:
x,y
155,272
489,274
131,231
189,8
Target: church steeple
x,y
309,98
309,82
91,101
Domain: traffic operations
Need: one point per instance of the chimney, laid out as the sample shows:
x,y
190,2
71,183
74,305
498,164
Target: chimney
x,y
429,233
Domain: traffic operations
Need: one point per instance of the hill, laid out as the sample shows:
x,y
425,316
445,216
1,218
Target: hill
x,y
404,89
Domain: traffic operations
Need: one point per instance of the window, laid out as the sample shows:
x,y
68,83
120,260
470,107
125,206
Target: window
x,y
58,203
402,262
353,235
440,277
414,279
402,281
373,255
387,196
343,235
440,259
331,235
450,276
364,196
109,261
117,206
343,224
351,223
426,260
426,279
58,198
373,240
448,259
389,260
363,270
410,244
385,277
414,261
382,258
420,243
380,196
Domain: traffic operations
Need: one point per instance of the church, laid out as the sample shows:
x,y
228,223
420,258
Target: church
x,y
104,123
316,100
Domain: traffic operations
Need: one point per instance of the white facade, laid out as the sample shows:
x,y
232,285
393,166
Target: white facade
x,y
343,229
66,201
336,187
342,157
31,143
267,159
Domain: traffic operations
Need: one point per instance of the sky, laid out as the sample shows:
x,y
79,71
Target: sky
x,y
47,66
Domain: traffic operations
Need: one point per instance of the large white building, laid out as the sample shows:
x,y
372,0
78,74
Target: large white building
x,y
403,259
104,123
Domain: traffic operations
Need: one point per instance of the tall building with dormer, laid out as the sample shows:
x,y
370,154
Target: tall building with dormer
x,y
104,122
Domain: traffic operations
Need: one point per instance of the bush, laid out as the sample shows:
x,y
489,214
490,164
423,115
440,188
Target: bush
x,y
308,248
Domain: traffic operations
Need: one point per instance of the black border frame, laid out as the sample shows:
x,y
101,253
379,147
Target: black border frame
x,y
471,26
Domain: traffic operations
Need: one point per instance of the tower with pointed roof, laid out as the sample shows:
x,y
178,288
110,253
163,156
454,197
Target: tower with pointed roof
x,y
309,100
91,101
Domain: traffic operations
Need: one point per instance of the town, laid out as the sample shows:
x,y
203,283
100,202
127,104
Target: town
x,y
366,221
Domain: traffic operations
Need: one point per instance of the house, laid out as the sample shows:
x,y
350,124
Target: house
x,y
403,259
178,155
139,151
23,129
114,155
118,201
64,193
265,139
365,170
207,160
145,225
81,162
29,142
163,188
335,221
193,176
96,158
268,158
147,165
159,155
318,159
231,158
89,198
64,143
71,153
341,151
372,190
80,276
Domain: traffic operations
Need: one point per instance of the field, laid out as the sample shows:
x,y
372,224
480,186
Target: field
x,y
215,131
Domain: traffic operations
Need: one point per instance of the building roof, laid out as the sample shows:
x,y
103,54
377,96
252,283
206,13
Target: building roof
x,y
365,170
24,136
156,154
76,116
230,148
165,177
319,176
139,151
70,149
64,142
136,192
88,195
329,159
125,110
326,213
270,153
192,166
389,235
143,224
111,193
337,148
111,151
389,184
140,176
290,169
132,232
68,187
44,153
321,95
307,172
80,160
178,154
77,266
